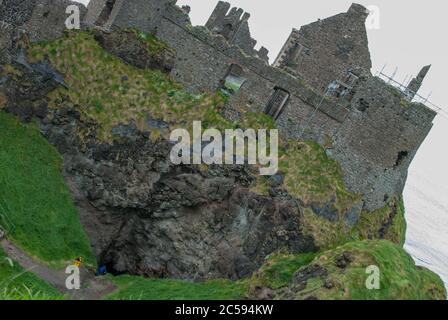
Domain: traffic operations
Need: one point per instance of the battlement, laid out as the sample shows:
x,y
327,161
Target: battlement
x,y
232,24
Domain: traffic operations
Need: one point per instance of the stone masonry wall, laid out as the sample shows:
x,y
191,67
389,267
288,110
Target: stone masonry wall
x,y
379,139
328,48
48,19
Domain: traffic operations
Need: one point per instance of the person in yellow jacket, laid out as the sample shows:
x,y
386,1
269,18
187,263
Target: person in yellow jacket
x,y
78,262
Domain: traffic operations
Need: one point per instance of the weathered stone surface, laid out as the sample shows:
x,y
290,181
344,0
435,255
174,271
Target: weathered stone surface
x,y
48,19
233,25
16,12
322,51
227,238
41,19
127,46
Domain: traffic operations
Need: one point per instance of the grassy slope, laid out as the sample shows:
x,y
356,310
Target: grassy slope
x,y
35,205
314,178
17,284
110,92
400,279
138,288
278,269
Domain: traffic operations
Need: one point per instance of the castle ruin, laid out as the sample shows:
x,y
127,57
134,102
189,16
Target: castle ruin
x,y
319,88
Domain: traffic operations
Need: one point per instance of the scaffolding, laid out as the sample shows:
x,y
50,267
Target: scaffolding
x,y
408,94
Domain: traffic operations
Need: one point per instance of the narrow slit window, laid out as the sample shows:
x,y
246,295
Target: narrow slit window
x,y
105,13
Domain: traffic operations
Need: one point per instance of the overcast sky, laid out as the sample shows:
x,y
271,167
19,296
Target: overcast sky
x,y
411,35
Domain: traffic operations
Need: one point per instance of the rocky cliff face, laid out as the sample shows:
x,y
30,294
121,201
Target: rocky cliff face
x,y
145,215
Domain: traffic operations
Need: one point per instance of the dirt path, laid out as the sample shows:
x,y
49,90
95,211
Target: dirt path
x,y
92,288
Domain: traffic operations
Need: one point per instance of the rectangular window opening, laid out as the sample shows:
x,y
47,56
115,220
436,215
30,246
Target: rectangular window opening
x,y
277,103
234,80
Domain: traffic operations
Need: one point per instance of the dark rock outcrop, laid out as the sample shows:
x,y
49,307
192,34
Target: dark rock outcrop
x,y
143,214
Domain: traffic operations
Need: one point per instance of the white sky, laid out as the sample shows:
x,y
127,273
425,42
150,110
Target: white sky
x,y
411,36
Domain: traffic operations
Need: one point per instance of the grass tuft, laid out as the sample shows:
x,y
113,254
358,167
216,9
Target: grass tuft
x,y
139,288
18,284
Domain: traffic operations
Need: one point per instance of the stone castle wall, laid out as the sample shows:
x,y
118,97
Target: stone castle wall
x,y
42,19
323,51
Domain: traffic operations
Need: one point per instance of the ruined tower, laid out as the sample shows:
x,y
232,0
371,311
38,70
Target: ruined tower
x,y
41,19
234,26
416,83
326,50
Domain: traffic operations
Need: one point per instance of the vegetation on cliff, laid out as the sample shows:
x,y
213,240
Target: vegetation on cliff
x,y
111,92
337,274
278,269
36,208
341,274
386,223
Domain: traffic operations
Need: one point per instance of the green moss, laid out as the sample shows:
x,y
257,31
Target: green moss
x,y
36,207
326,234
17,284
386,223
313,177
278,269
400,279
404,103
139,288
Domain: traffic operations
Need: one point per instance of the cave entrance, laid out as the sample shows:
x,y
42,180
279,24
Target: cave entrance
x,y
111,270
